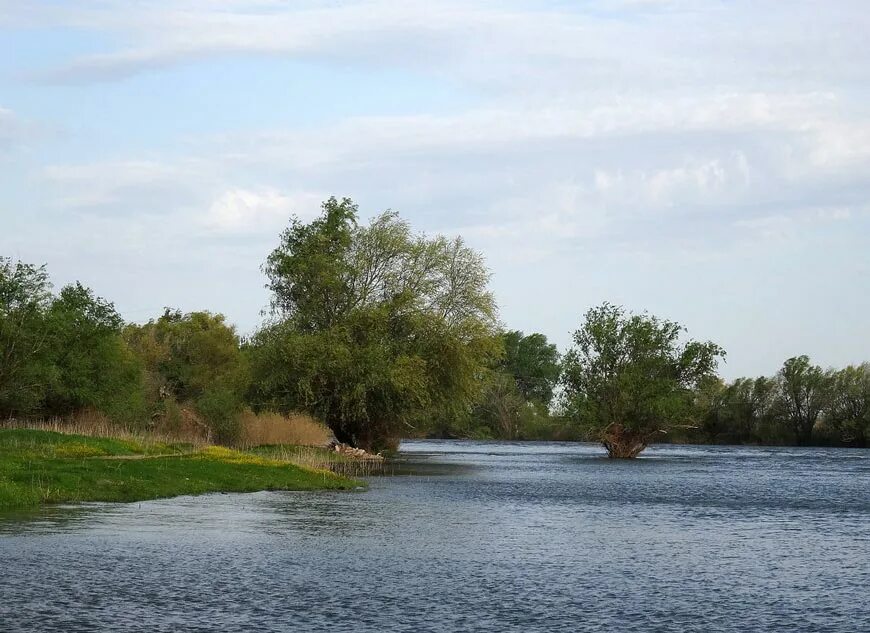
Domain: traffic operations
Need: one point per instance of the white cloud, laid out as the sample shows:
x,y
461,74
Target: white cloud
x,y
634,150
159,187
240,211
509,46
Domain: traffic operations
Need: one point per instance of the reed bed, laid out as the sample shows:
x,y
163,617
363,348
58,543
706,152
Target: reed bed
x,y
94,424
322,459
268,428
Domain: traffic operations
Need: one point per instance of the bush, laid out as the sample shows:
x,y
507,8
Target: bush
x,y
221,408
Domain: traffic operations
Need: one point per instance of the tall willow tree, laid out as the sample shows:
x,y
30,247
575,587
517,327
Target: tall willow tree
x,y
373,325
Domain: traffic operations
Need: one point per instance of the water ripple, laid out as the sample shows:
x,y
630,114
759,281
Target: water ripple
x,y
472,537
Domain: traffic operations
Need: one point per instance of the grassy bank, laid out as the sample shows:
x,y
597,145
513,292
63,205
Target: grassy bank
x,y
39,466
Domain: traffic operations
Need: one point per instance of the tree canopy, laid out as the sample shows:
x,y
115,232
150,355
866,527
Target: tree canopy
x,y
383,332
194,359
518,390
804,393
373,325
629,378
61,353
25,342
849,404
534,363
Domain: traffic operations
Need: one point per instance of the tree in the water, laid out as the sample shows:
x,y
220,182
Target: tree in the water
x,y
373,326
629,378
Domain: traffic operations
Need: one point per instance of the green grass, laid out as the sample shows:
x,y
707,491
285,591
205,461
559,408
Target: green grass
x,y
39,467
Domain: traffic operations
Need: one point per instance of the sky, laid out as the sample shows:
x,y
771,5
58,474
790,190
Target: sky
x,y
707,161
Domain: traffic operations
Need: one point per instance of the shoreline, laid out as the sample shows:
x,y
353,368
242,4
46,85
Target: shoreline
x,y
40,467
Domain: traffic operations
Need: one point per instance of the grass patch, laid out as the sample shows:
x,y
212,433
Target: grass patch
x,y
49,467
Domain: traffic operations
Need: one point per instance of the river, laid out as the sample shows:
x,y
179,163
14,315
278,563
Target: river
x,y
471,536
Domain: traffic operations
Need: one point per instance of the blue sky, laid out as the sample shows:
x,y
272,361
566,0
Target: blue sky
x,y
707,161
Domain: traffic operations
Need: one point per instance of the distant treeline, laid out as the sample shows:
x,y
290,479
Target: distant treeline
x,y
801,405
384,333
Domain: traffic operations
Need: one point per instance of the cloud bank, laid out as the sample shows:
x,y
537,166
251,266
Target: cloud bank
x,y
706,160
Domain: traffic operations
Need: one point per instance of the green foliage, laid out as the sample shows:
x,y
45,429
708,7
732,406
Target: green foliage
x,y
849,405
194,359
502,409
310,273
25,340
375,325
93,366
805,391
629,378
517,391
533,363
62,353
803,404
221,408
191,353
742,412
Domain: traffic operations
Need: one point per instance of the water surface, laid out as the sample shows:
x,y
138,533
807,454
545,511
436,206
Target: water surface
x,y
480,537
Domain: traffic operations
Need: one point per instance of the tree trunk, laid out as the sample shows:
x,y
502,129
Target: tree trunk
x,y
622,443
342,436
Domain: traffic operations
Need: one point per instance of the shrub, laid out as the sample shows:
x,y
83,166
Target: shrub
x,y
221,408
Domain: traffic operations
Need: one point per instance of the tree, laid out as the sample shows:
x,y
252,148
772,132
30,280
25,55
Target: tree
x,y
93,367
628,378
804,391
533,362
195,359
518,390
739,412
60,354
25,341
373,326
849,404
501,407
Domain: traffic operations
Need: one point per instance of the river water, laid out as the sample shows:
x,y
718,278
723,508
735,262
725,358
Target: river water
x,y
471,536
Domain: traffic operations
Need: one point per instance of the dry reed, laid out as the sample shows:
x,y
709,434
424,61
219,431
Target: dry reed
x,y
259,429
322,459
95,424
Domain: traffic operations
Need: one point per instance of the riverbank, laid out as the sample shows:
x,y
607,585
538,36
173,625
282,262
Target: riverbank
x,y
38,467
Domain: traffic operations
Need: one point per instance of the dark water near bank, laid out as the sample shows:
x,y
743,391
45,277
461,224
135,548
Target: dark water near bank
x,y
485,537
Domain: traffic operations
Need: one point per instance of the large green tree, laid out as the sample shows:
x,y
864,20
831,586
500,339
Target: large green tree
x,y
804,392
534,364
62,353
25,339
518,390
629,377
375,327
849,405
93,367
